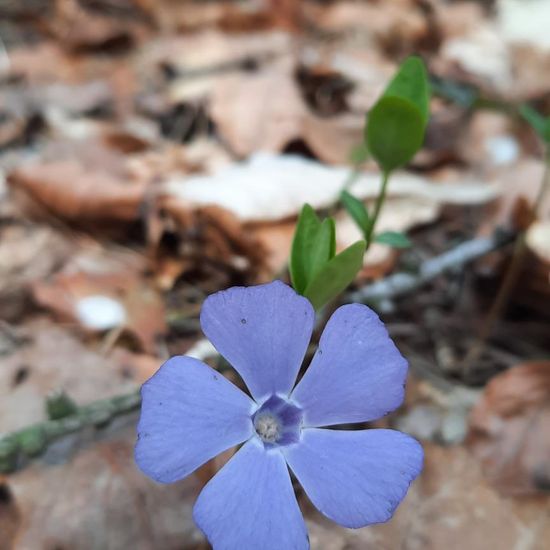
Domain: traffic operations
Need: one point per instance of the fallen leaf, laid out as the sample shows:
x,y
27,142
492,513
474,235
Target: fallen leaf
x,y
517,25
509,429
449,506
274,187
50,358
101,496
538,240
67,189
102,301
22,261
259,111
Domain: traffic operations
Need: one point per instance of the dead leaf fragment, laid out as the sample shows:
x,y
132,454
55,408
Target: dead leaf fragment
x,y
67,189
101,496
102,301
510,429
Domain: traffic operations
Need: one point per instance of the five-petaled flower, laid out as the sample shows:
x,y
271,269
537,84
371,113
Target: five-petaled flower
x,y
190,414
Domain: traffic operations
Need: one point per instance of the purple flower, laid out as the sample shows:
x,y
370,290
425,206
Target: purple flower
x,y
191,413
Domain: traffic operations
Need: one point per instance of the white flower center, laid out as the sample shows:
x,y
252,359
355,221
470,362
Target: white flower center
x,y
267,427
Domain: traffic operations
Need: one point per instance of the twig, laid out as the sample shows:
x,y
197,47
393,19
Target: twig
x,y
510,278
18,447
400,284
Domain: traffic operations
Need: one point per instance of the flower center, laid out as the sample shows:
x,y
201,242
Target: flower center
x,y
267,427
278,422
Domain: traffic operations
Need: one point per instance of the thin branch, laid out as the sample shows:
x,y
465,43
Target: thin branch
x,y
400,284
16,448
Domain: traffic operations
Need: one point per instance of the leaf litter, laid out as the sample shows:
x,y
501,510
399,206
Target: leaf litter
x,y
155,152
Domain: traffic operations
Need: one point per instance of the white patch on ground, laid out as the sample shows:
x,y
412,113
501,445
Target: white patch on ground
x,y
100,312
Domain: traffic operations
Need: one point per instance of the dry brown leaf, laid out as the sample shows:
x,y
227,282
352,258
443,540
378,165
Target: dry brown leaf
x,y
79,28
450,506
101,498
22,260
520,181
538,240
67,189
510,429
274,187
137,366
104,301
51,358
387,24
205,237
260,111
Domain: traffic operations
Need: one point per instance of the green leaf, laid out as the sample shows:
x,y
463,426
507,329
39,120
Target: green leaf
x,y
323,248
397,122
60,405
356,209
336,275
411,83
394,239
538,122
305,236
395,132
359,154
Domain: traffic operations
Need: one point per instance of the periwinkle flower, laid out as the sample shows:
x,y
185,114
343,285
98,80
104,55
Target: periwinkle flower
x,y
191,413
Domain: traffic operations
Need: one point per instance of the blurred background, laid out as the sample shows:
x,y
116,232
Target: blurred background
x,y
155,151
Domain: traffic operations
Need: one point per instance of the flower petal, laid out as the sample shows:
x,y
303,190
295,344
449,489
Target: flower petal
x,y
263,331
355,477
250,503
189,414
357,373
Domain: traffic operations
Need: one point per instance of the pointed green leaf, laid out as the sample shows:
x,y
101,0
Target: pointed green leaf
x,y
394,239
539,123
323,248
395,132
305,236
336,275
356,209
411,83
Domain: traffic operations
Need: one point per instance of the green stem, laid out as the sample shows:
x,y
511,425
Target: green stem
x,y
17,447
377,208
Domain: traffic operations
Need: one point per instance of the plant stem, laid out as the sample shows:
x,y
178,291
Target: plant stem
x,y
17,447
377,208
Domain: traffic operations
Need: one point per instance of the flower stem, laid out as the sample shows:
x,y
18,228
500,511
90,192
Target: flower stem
x,y
377,208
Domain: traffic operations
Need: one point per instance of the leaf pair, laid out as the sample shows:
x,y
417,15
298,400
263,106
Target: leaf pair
x,y
397,123
360,215
315,270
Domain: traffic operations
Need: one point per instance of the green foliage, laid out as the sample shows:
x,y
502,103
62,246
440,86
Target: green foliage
x,y
305,237
397,123
411,83
538,122
32,440
9,447
359,155
357,210
335,275
59,406
323,249
393,239
316,272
